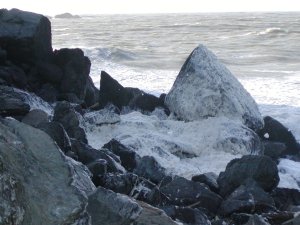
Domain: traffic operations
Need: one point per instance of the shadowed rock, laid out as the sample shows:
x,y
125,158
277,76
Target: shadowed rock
x,y
42,185
25,36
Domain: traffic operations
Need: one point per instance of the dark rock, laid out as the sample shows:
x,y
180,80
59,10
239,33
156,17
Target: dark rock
x,y
210,179
106,208
239,218
25,36
294,221
153,216
150,169
48,92
35,117
259,168
65,114
248,198
38,179
67,16
72,155
154,197
256,220
276,132
49,72
119,183
69,97
188,216
285,198
57,132
92,93
97,168
274,149
3,56
13,76
76,69
184,192
113,92
278,217
129,158
12,103
86,154
146,102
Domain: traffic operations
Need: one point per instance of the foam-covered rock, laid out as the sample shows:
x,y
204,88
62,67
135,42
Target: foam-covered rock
x,y
25,36
182,148
41,185
206,88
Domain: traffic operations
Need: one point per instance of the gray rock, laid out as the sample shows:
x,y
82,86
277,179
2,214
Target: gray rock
x,y
43,186
12,103
102,116
35,117
65,114
57,132
248,198
259,168
206,88
25,36
153,216
109,208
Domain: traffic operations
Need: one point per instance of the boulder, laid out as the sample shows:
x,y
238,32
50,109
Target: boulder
x,y
86,154
276,132
65,114
57,132
92,93
274,149
286,198
76,69
34,172
210,179
248,198
256,220
150,169
205,88
108,208
47,92
25,36
146,102
183,192
12,102
49,72
35,117
294,221
129,158
119,183
259,168
187,215
153,216
13,76
113,92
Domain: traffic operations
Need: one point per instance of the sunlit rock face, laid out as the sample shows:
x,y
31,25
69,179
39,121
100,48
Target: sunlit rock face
x,y
206,88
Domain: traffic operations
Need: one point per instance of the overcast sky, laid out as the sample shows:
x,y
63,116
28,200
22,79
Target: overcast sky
x,y
52,7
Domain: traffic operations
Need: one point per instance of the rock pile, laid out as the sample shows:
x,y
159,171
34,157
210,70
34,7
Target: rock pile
x,y
49,174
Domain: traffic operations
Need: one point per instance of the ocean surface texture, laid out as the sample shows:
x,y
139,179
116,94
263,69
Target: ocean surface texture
x,y
147,51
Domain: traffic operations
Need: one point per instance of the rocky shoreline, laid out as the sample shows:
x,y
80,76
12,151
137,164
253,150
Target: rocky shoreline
x,y
51,172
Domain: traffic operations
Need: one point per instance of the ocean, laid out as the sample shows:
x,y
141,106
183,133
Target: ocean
x,y
147,51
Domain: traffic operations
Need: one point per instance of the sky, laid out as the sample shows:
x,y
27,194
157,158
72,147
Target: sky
x,y
53,7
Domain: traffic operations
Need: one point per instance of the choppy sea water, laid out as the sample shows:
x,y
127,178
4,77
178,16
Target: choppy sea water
x,y
147,51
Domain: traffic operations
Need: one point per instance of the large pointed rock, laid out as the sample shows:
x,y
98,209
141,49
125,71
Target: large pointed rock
x,y
38,184
206,88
